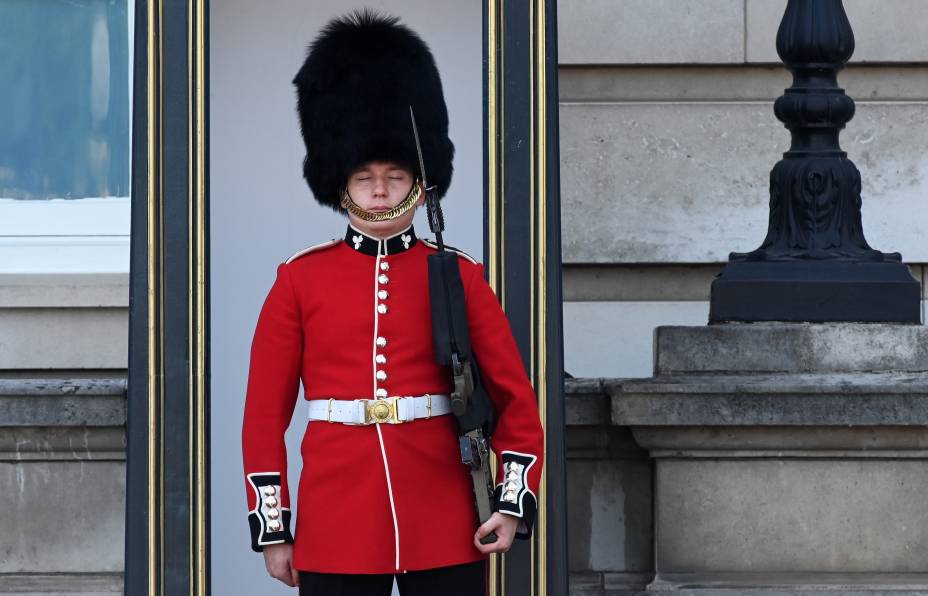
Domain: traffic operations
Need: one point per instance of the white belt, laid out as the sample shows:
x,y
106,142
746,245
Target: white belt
x,y
390,410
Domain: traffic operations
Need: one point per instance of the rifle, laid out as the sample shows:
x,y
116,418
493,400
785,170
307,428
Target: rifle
x,y
451,340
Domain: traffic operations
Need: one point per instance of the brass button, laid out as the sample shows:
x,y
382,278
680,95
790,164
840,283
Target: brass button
x,y
381,342
269,490
383,279
381,375
384,266
380,359
273,513
271,501
274,525
382,294
382,309
381,392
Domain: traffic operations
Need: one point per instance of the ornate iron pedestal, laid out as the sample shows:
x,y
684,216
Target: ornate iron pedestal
x,y
815,264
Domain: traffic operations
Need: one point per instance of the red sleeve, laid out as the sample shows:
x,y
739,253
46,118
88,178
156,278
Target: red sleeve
x,y
273,386
518,440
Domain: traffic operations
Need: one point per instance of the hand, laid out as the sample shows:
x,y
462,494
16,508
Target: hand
x,y
505,528
278,558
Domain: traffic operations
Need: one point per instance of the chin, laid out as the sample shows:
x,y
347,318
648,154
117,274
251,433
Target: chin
x,y
383,228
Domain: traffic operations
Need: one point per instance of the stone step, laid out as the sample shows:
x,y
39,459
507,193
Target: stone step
x,y
849,399
61,584
71,401
791,347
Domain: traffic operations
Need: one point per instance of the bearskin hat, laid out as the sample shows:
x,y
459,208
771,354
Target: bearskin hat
x,y
354,90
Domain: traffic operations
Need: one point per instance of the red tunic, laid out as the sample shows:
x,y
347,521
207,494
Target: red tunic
x,y
348,319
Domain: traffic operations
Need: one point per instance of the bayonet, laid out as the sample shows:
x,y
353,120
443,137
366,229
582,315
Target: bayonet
x,y
432,208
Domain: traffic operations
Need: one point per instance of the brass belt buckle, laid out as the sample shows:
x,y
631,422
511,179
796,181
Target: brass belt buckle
x,y
382,411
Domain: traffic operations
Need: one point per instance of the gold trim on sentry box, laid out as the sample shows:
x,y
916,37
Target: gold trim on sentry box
x,y
492,140
197,325
153,49
541,97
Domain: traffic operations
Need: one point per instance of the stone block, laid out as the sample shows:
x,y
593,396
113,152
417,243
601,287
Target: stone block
x,y
885,31
798,472
585,584
807,515
597,443
67,338
62,584
71,291
650,31
586,403
62,517
68,402
773,399
18,444
626,584
609,517
689,182
791,348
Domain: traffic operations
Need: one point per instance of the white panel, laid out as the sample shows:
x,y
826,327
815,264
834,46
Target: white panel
x,y
616,339
65,236
64,254
261,210
61,217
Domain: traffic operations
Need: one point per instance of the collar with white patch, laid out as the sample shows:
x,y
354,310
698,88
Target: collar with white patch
x,y
371,246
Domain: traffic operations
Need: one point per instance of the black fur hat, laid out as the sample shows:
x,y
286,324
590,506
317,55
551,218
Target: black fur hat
x,y
354,90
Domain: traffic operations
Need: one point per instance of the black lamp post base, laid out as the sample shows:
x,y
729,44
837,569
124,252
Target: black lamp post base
x,y
815,292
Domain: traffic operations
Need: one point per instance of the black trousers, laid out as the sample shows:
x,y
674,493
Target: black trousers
x,y
469,579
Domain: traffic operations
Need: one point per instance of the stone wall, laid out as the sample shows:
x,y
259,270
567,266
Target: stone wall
x,y
63,350
667,141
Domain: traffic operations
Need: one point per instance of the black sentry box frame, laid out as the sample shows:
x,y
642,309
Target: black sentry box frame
x,y
167,501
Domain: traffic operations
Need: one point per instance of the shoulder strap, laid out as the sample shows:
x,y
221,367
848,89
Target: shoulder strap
x,y
457,251
314,248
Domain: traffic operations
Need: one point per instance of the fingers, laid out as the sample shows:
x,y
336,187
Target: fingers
x,y
279,563
503,541
501,545
287,575
487,527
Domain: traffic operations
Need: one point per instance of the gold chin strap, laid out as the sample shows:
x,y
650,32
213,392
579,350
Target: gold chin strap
x,y
408,203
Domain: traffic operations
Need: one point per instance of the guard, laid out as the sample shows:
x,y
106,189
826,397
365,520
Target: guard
x,y
383,492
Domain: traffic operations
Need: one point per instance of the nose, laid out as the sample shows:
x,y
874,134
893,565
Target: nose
x,y
380,187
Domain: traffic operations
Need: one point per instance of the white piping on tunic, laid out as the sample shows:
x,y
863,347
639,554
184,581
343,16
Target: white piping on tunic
x,y
313,248
457,251
381,247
